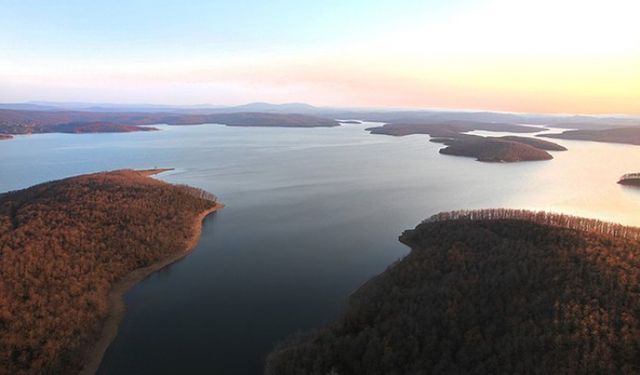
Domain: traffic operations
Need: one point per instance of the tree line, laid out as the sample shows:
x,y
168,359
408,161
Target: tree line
x,y
543,218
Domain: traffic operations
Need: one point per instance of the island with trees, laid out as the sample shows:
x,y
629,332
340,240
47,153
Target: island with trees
x,y
70,248
492,149
450,128
96,127
488,149
533,142
489,292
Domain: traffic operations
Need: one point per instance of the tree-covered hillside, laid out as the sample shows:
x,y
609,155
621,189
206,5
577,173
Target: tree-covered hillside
x,y
489,292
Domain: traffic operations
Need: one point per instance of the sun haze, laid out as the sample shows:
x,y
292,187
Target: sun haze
x,y
565,56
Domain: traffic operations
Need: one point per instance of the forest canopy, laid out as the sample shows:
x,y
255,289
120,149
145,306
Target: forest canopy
x,y
489,292
63,244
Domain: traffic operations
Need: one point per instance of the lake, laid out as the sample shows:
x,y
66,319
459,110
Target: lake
x,y
310,215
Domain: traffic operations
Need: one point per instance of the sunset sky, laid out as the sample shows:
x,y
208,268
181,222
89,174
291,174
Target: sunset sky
x,y
565,56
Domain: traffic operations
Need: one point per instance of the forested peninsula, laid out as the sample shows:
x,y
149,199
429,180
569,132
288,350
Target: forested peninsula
x,y
489,292
32,122
70,248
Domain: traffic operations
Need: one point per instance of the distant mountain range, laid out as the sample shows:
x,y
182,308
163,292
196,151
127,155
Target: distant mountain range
x,y
405,116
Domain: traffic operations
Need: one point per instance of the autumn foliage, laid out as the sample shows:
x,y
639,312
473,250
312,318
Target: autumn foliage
x,y
489,292
63,244
491,149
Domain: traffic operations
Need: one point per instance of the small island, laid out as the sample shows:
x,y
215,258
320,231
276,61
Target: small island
x,y
355,122
631,179
506,149
489,149
71,248
5,137
449,128
488,292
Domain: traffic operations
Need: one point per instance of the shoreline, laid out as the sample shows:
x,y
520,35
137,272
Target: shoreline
x,y
115,298
154,171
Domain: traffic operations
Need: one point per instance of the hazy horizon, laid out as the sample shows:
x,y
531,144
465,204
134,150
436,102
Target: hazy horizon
x,y
96,106
527,56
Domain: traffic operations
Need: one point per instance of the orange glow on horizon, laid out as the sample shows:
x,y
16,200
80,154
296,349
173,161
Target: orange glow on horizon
x,y
552,56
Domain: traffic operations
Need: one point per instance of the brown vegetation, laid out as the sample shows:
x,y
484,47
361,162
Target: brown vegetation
x,y
449,128
629,136
5,136
95,127
25,122
632,179
490,149
64,244
489,292
537,143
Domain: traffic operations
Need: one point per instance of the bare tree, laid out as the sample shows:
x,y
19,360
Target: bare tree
x,y
544,218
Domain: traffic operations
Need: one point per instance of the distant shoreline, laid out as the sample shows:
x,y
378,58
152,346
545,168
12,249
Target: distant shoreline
x,y
80,122
117,307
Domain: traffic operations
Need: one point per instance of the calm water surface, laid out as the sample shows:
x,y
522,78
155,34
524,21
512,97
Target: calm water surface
x,y
311,214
